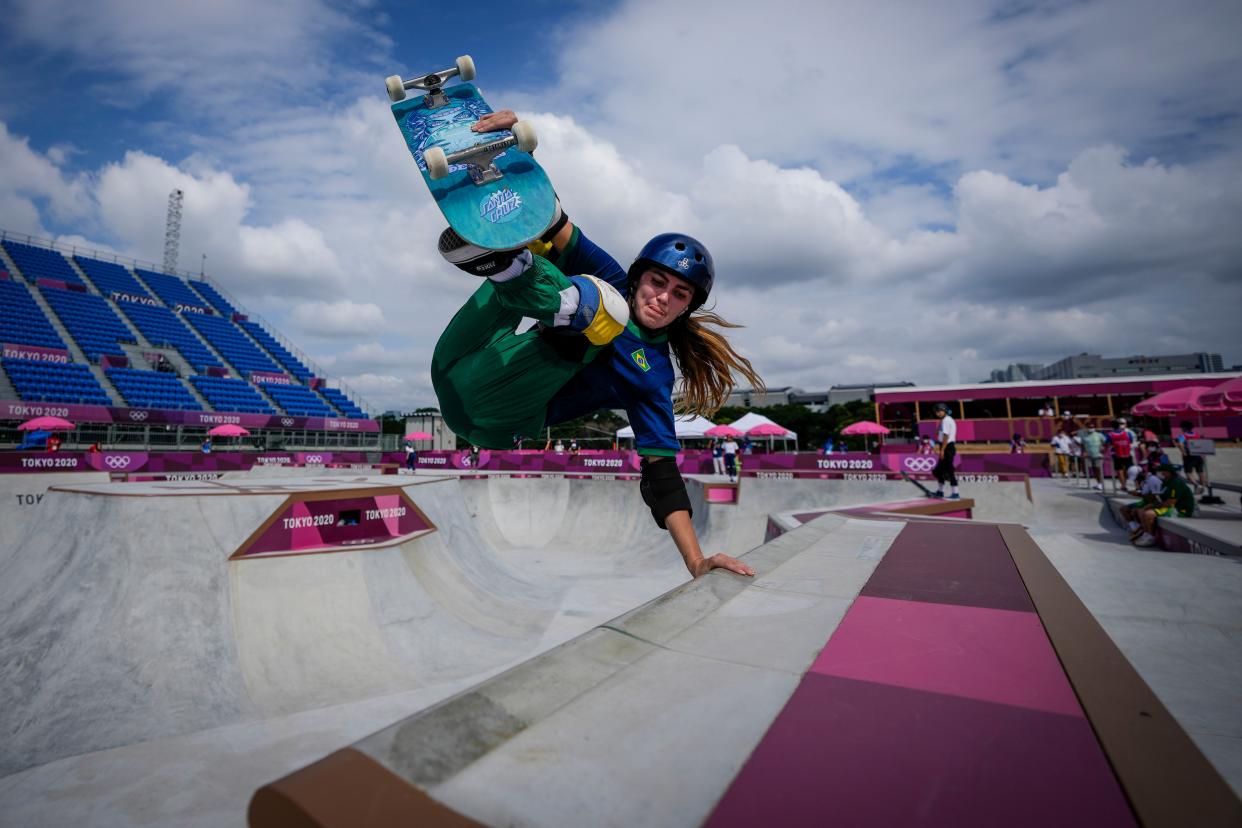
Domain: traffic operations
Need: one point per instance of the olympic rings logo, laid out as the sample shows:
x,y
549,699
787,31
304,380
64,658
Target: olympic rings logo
x,y
286,421
118,461
314,459
920,463
138,415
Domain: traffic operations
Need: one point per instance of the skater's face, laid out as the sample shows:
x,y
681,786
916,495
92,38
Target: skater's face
x,y
660,298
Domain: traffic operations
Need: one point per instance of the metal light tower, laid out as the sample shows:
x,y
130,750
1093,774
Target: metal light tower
x,y
172,231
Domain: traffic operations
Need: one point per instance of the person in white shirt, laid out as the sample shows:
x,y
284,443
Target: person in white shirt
x,y
1061,453
730,458
946,440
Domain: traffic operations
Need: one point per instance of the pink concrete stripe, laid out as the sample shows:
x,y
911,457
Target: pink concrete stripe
x,y
992,655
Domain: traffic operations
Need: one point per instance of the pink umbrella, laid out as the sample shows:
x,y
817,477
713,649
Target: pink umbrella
x,y
1227,394
1176,401
723,431
46,424
767,430
228,430
418,435
864,427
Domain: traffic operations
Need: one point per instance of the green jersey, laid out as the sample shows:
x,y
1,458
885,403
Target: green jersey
x,y
1092,443
1178,490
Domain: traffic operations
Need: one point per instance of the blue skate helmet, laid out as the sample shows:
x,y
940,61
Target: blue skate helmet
x,y
682,256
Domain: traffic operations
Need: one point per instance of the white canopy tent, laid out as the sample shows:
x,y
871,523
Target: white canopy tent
x,y
749,421
688,428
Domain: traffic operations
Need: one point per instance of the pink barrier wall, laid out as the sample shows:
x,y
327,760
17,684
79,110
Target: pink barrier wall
x,y
18,410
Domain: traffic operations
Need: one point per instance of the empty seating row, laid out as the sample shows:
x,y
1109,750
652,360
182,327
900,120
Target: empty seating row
x,y
172,290
110,277
22,321
343,403
40,262
299,400
232,344
228,394
55,382
213,296
292,364
152,389
90,321
163,327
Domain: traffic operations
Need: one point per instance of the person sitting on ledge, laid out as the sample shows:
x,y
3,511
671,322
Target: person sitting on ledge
x,y
1176,497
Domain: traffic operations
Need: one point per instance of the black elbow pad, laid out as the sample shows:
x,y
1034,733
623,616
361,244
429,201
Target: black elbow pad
x,y
663,490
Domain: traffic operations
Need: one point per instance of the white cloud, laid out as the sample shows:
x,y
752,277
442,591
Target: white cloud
x,y
341,318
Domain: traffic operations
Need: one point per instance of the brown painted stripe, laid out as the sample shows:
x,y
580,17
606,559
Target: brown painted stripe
x,y
1167,778
351,790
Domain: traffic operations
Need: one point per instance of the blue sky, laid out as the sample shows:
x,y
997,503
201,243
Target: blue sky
x,y
907,185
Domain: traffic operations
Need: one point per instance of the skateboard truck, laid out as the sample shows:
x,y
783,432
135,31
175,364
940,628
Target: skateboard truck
x,y
480,159
433,83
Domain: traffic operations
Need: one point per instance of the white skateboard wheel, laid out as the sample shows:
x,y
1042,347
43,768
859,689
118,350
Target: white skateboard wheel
x,y
396,89
437,163
465,67
524,132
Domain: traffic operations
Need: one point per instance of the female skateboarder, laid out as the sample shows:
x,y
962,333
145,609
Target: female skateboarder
x,y
607,337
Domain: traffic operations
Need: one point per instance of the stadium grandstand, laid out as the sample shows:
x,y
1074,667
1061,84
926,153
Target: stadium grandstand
x,y
125,342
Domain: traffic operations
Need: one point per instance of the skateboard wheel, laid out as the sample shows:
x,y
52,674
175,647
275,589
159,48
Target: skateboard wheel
x,y
465,67
437,163
524,132
396,89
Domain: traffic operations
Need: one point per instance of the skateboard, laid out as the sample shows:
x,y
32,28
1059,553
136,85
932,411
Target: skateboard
x,y
487,184
926,491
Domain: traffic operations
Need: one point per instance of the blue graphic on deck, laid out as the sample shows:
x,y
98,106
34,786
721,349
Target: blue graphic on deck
x,y
449,128
501,206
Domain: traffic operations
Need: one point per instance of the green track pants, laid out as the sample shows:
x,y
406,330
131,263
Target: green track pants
x,y
494,384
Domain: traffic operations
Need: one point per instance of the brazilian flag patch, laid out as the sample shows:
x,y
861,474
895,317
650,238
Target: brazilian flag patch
x,y
640,359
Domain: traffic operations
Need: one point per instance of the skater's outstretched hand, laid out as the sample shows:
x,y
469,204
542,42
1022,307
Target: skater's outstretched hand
x,y
496,121
706,565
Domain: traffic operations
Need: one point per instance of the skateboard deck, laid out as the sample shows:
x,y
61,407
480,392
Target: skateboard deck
x,y
503,214
926,491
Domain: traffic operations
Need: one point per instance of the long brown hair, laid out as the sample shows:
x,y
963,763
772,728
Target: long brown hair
x,y
707,362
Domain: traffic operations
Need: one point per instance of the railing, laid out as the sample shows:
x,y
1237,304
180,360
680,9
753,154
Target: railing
x,y
107,255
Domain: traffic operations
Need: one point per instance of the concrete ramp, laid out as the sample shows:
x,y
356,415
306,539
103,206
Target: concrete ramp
x,y
874,672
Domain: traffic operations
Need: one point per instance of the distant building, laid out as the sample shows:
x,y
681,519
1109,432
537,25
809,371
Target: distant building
x,y
817,401
1095,366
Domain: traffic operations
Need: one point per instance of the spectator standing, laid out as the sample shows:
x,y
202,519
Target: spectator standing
x,y
573,445
828,446
718,466
560,446
1092,443
1061,453
53,443
747,445
730,458
1193,463
1121,443
1017,444
411,457
926,446
946,440
205,448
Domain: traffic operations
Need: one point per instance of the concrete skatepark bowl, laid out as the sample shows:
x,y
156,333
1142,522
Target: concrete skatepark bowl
x,y
536,657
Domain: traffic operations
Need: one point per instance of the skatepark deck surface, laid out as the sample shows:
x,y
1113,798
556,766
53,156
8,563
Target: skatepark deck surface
x,y
136,655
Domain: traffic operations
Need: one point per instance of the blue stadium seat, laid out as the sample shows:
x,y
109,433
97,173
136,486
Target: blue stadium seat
x,y
229,394
232,344
152,389
55,382
172,290
110,277
163,327
292,364
22,321
90,321
299,400
213,296
40,263
343,403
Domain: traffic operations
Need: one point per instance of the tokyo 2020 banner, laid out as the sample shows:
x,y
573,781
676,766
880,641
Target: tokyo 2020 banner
x,y
18,410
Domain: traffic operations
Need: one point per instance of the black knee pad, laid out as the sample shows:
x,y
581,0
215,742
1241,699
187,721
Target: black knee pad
x,y
663,490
